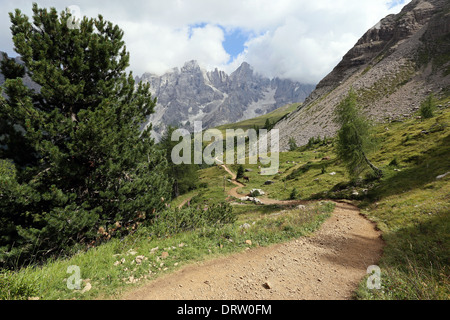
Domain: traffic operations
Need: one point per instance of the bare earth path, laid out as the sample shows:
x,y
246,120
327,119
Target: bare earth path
x,y
233,192
327,265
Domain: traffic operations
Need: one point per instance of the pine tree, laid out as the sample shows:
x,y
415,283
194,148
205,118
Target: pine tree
x,y
87,165
240,172
268,125
184,176
294,194
292,144
427,107
353,137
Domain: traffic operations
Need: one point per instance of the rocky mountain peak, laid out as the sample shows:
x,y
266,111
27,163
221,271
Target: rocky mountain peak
x,y
216,98
392,67
384,38
244,68
243,73
191,66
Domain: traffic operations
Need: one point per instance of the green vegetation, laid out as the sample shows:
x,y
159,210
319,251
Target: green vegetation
x,y
292,144
76,167
410,206
82,185
240,172
294,194
262,121
184,175
427,107
269,125
408,203
353,140
153,251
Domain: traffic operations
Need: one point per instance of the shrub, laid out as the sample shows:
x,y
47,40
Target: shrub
x,y
393,163
16,287
427,107
240,172
297,172
173,221
203,185
292,144
294,194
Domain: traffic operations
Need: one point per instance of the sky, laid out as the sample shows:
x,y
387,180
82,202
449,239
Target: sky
x,y
300,40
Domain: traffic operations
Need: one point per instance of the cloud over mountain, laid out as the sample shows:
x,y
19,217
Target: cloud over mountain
x,y
297,39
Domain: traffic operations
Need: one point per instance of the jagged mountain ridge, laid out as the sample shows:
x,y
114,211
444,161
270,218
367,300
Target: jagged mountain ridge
x,y
193,94
392,68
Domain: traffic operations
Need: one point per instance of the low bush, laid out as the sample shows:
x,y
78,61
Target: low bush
x,y
173,221
13,286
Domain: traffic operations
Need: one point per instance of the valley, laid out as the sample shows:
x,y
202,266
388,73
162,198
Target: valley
x,y
405,215
392,210
326,265
94,207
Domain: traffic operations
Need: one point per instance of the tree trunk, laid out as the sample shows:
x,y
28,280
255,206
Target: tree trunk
x,y
377,171
175,189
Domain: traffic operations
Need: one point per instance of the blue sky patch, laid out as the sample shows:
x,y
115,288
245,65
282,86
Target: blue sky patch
x,y
196,26
394,3
234,43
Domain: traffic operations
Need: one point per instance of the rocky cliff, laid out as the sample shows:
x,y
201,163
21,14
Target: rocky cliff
x,y
193,94
393,67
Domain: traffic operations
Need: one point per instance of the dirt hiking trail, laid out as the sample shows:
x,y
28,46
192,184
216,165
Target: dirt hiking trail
x,y
327,265
266,201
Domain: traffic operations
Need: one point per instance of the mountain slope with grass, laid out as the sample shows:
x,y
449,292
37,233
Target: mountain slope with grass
x,y
409,204
392,68
260,122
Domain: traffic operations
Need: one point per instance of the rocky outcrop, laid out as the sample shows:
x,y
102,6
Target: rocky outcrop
x,y
392,67
193,94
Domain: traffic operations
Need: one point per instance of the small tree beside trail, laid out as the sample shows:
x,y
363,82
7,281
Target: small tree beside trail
x,y
353,137
240,172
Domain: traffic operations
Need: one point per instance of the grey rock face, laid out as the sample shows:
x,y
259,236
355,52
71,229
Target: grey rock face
x,y
193,94
391,68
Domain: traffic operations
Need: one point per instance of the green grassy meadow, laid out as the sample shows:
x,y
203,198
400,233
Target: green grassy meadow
x,y
409,204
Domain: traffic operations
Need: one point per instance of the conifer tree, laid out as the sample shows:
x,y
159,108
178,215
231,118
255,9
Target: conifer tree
x,y
86,164
292,144
427,107
184,176
353,137
240,172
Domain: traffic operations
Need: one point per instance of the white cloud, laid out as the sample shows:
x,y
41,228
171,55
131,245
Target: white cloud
x,y
307,45
157,49
299,39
